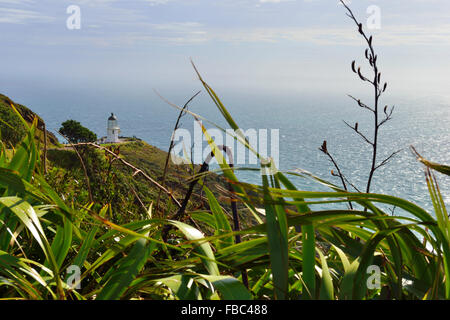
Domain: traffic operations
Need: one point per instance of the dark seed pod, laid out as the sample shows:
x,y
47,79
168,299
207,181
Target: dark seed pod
x,y
367,53
385,87
370,40
385,109
356,126
379,78
360,75
324,147
354,66
360,29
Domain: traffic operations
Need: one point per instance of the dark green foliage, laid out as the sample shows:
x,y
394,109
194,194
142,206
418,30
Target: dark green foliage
x,y
15,128
11,128
76,133
108,183
64,158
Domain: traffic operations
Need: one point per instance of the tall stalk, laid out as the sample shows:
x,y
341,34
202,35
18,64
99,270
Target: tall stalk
x,y
378,120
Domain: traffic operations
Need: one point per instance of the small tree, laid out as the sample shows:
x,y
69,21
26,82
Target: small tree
x,y
76,133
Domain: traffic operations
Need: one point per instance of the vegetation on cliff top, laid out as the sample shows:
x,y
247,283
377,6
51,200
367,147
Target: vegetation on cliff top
x,y
13,130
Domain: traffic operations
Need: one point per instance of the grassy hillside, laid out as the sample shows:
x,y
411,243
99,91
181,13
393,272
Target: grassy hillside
x,y
13,130
112,182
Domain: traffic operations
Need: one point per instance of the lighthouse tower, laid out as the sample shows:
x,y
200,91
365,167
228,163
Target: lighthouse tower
x,y
113,130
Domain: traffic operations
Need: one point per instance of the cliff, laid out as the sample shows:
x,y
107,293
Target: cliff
x,y
11,127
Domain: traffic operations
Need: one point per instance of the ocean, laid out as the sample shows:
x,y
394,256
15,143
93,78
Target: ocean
x,y
304,121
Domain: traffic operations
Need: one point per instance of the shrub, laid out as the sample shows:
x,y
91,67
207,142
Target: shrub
x,y
76,133
11,128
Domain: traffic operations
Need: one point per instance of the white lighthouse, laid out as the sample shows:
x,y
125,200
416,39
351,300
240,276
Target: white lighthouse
x,y
113,130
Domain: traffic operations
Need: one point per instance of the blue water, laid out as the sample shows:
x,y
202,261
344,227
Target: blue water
x,y
305,120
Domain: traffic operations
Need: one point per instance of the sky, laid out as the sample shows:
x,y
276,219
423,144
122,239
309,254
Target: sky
x,y
292,45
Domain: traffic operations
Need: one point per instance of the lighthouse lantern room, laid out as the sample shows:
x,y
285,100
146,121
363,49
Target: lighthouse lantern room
x,y
113,130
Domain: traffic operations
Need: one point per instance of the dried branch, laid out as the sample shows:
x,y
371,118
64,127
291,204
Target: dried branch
x,y
416,153
324,149
182,209
385,161
136,170
166,165
138,198
362,105
91,199
379,89
352,185
355,128
198,176
388,116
